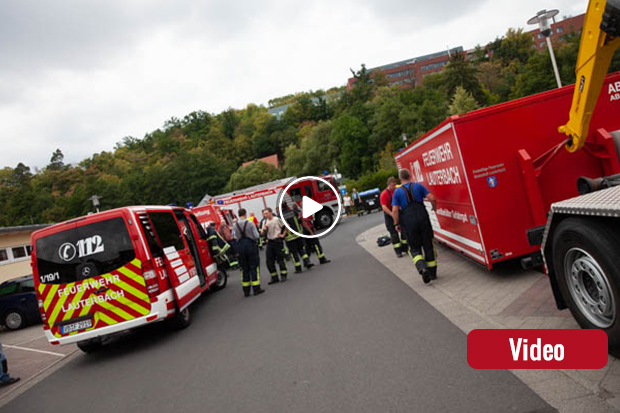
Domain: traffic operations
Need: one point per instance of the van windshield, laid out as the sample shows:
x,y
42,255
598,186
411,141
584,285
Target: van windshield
x,y
84,252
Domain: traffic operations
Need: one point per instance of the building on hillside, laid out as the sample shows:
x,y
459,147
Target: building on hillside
x,y
15,251
411,72
558,31
271,159
278,111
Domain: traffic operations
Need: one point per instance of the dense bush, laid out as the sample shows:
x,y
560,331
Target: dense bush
x,y
371,180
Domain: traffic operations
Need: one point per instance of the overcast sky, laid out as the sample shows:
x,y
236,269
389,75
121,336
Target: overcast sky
x,y
80,75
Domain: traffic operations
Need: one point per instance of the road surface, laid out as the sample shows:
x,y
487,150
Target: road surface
x,y
347,336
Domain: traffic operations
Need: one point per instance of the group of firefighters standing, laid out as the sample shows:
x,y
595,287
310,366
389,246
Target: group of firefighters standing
x,y
405,213
281,244
406,219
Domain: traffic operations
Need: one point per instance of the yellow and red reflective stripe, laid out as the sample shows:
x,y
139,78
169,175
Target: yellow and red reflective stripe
x,y
134,303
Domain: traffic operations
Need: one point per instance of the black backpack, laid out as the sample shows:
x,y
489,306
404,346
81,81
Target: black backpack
x,y
383,241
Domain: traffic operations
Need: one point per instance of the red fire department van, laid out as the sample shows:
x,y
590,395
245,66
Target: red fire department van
x,y
213,213
256,198
496,171
115,270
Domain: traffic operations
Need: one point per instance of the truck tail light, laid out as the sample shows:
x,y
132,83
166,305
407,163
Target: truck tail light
x,y
42,311
150,278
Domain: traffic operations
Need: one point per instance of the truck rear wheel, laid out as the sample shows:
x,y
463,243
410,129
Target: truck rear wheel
x,y
588,274
181,320
91,345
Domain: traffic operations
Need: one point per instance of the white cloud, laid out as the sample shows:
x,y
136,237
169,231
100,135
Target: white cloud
x,y
82,75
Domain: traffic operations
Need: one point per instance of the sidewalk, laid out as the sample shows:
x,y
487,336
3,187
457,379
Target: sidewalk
x,y
472,297
30,357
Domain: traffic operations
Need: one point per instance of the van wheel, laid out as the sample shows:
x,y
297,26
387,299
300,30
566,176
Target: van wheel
x,y
181,319
325,219
588,274
222,280
90,346
14,320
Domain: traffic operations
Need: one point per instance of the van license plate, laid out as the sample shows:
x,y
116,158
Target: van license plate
x,y
80,325
371,202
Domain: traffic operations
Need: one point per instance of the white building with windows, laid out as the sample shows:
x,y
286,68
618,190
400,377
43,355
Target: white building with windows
x,y
15,251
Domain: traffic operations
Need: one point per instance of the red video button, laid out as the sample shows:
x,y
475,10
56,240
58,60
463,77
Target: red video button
x,y
537,349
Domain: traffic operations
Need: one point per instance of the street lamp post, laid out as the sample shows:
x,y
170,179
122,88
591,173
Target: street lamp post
x,y
542,19
404,138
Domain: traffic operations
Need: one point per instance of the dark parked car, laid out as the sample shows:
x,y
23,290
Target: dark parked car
x,y
18,303
370,201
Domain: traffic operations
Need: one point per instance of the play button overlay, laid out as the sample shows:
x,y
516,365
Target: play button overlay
x,y
309,207
310,196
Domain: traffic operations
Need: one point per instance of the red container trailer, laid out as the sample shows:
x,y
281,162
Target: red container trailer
x,y
496,171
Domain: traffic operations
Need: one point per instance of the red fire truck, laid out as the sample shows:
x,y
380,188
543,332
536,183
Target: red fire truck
x,y
115,270
256,198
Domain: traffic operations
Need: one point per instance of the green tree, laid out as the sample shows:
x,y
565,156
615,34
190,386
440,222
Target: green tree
x,y
350,136
387,107
56,161
253,174
537,76
460,72
515,45
462,102
229,121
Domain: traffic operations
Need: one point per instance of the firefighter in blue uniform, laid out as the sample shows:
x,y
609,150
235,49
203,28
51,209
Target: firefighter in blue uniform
x,y
411,218
247,246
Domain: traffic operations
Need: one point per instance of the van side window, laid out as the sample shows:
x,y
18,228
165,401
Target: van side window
x,y
167,230
201,232
308,189
149,234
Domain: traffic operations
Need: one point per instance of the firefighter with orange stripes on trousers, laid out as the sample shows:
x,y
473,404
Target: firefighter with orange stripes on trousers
x,y
387,195
247,247
411,219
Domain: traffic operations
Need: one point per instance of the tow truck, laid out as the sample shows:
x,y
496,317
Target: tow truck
x,y
581,240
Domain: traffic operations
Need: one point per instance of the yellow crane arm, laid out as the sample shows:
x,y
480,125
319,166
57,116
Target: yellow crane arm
x,y
600,37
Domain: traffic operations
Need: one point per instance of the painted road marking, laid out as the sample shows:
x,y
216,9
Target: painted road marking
x,y
34,350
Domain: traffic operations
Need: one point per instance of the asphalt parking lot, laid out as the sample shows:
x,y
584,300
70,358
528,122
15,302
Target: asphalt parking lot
x,y
364,324
472,297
